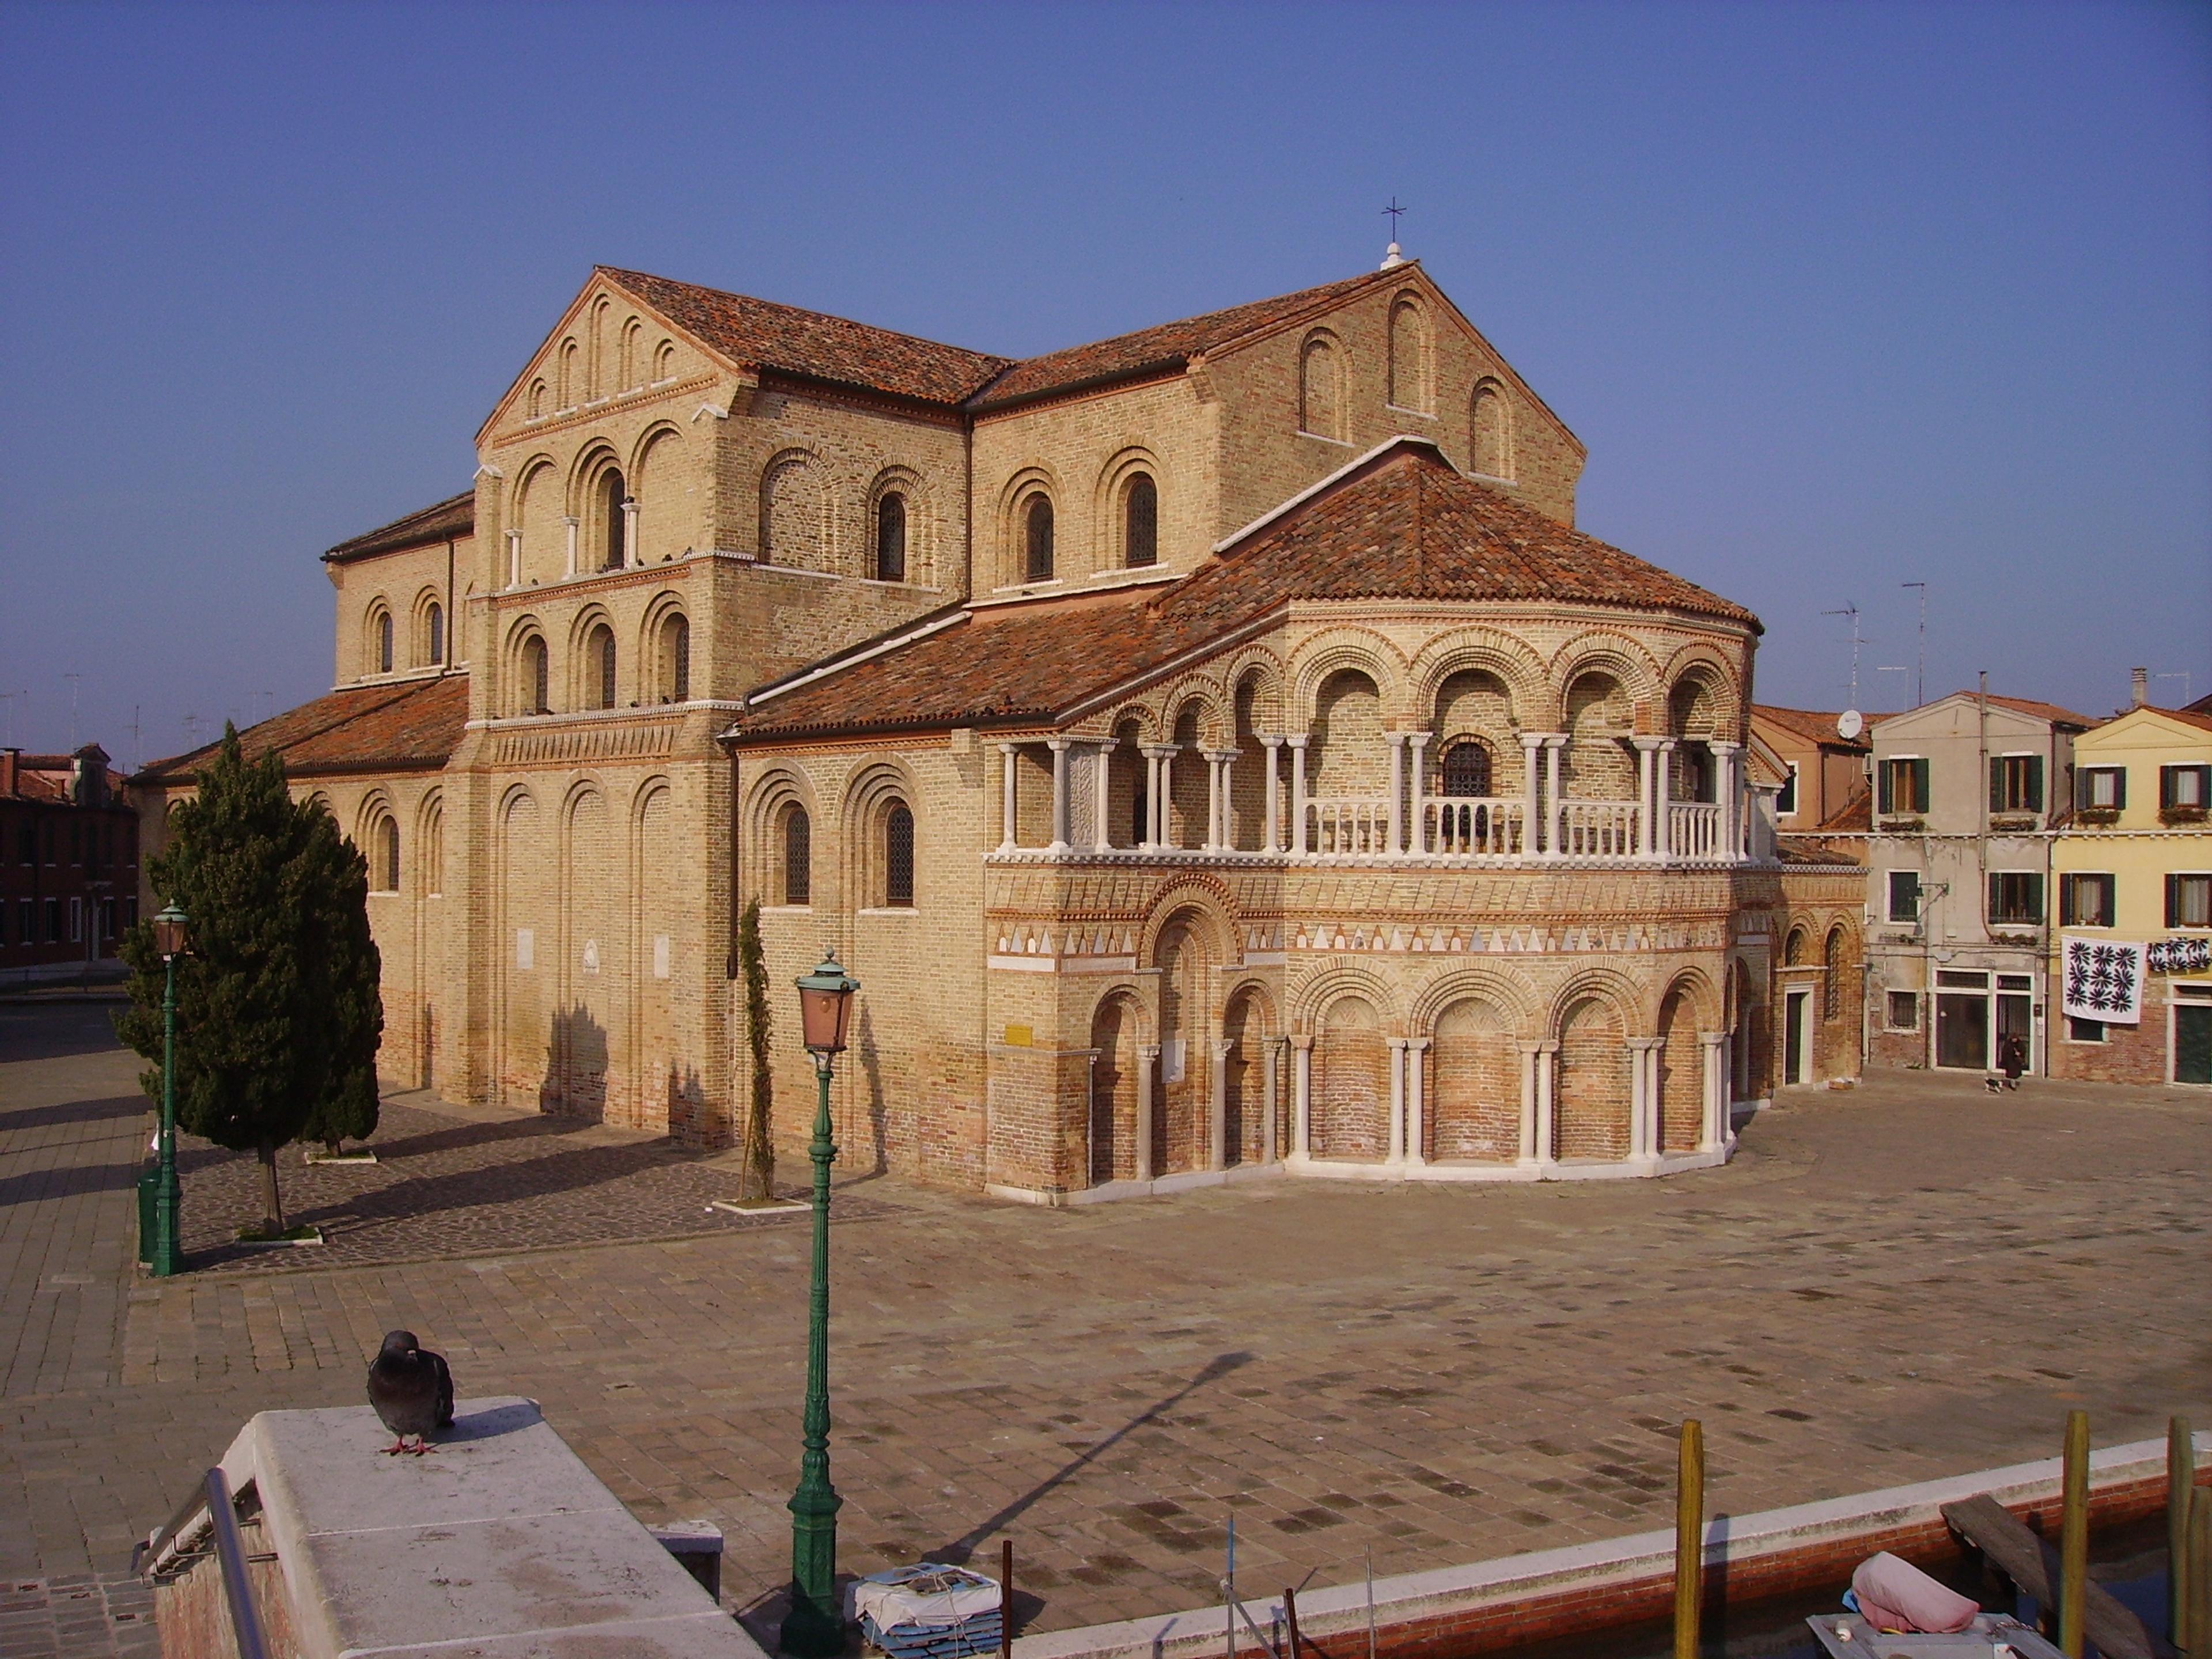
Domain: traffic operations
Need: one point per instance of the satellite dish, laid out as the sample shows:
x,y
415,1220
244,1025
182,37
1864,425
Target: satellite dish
x,y
1849,724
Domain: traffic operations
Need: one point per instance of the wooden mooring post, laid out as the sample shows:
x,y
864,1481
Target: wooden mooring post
x,y
2198,1624
1689,1537
2180,1481
2074,1535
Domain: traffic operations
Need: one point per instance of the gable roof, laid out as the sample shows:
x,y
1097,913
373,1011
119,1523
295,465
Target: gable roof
x,y
1399,523
1814,724
455,517
812,343
1168,345
411,726
2041,711
2188,716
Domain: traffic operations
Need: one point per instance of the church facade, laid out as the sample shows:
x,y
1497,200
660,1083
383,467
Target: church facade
x,y
1214,749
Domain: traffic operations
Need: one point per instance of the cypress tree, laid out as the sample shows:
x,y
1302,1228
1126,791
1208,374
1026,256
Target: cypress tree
x,y
278,1010
752,968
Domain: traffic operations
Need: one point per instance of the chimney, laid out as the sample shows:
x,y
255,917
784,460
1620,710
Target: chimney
x,y
2139,688
11,759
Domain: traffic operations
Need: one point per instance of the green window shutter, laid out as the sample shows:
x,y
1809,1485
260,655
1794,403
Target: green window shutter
x,y
1921,798
2070,900
2172,900
1997,783
1882,775
2035,783
1995,906
2109,905
2037,911
2120,788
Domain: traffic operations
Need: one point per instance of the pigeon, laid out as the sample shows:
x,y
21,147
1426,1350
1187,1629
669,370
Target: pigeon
x,y
411,1390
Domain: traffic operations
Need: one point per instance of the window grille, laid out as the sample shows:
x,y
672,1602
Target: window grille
x,y
1037,525
891,539
1141,532
899,857
1467,770
798,857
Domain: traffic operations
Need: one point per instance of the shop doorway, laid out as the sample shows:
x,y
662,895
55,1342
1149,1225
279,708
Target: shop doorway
x,y
2192,1033
1797,1036
1962,1020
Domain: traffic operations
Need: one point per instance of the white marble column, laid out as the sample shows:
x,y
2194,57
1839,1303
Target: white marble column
x,y
1274,1150
1531,1056
1416,742
514,558
1417,1101
1716,1135
1218,835
1555,806
1547,1104
1532,820
1646,839
1159,760
1727,760
1297,794
1396,1153
1060,793
1396,832
1274,748
1217,1152
1005,797
1663,827
1148,1071
1643,1100
1302,1096
1101,827
572,525
629,549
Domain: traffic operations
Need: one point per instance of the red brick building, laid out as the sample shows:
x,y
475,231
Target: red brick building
x,y
68,863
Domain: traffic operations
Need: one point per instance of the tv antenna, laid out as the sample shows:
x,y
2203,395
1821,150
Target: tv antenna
x,y
1920,673
1852,611
2181,674
73,679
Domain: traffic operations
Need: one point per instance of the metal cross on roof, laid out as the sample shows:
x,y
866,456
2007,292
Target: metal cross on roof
x,y
1393,211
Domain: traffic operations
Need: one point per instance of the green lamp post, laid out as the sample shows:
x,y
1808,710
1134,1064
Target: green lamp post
x,y
171,940
815,1626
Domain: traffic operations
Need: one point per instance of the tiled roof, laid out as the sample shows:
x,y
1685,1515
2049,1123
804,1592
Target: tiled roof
x,y
2042,711
408,725
1169,345
1814,724
455,516
1856,813
1399,524
811,344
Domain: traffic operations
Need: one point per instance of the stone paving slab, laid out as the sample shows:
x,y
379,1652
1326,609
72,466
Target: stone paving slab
x,y
1911,1280
110,1616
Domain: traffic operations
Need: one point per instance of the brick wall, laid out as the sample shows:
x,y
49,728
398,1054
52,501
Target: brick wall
x,y
1593,1086
1474,1084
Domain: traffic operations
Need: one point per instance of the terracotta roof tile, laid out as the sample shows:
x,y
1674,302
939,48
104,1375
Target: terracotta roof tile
x,y
409,726
1168,345
455,516
1856,813
2042,711
1814,724
814,344
1401,523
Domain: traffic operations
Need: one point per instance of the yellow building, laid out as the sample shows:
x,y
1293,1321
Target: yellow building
x,y
2133,868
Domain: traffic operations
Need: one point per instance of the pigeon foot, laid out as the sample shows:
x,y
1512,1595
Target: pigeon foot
x,y
395,1447
421,1448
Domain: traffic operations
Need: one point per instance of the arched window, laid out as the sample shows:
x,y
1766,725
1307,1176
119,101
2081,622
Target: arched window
x,y
536,678
1793,948
387,856
537,406
612,497
675,659
798,856
664,361
1320,401
1036,539
1492,445
434,627
1467,768
383,642
599,662
890,537
1831,974
899,856
1409,358
1140,522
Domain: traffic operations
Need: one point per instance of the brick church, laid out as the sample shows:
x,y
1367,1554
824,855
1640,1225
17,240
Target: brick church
x,y
1214,749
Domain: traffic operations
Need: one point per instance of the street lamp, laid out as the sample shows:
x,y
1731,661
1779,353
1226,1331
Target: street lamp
x,y
815,1626
171,940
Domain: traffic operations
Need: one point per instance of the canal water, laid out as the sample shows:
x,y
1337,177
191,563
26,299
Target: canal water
x,y
2127,1560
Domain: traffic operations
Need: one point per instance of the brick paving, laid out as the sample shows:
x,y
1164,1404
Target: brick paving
x,y
1913,1279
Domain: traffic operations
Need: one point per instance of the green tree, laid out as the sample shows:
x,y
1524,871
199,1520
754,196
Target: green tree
x,y
278,1014
752,968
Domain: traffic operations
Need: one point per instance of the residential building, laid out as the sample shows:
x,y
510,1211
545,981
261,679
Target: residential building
x,y
1965,789
1212,748
68,863
1829,772
2132,867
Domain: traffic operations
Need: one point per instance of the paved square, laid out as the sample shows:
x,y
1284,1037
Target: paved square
x,y
1908,1280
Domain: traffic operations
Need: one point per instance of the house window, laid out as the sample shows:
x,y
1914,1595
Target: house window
x,y
26,842
1036,540
435,620
2085,901
1904,895
535,677
76,920
891,539
798,856
2185,788
2101,788
387,856
599,657
2015,898
1467,770
53,921
2189,901
1785,799
1904,785
2015,783
1141,523
383,642
2084,1031
1901,1010
899,857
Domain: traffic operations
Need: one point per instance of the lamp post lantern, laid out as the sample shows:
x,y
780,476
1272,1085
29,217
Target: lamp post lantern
x,y
171,938
815,1626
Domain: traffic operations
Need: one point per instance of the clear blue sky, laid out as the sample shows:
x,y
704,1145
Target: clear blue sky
x,y
1839,295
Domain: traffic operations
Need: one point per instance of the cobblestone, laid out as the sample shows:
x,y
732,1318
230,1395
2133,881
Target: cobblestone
x,y
1913,1279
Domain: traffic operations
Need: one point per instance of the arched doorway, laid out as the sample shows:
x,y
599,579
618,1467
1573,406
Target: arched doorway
x,y
1116,1074
1593,1109
1351,1099
1182,1129
1249,1030
1474,1094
